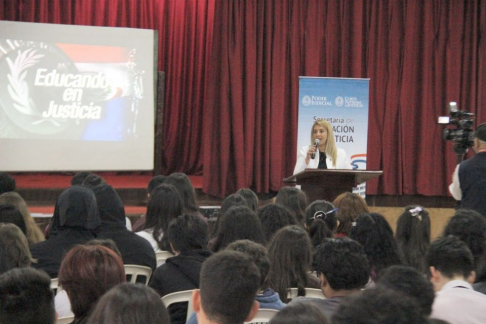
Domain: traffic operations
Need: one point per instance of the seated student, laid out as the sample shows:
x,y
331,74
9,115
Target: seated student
x,y
229,283
267,298
7,183
15,244
215,221
451,265
274,217
153,183
34,234
186,191
290,257
320,221
295,200
250,197
133,248
410,282
9,214
379,306
130,303
78,178
26,297
350,206
74,222
188,236
343,268
300,313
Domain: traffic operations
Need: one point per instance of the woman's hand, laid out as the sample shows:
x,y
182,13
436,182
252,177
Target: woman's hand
x,y
312,149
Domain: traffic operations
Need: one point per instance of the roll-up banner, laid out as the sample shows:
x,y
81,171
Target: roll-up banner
x,y
344,103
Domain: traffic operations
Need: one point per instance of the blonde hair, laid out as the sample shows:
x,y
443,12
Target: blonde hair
x,y
331,150
34,234
16,246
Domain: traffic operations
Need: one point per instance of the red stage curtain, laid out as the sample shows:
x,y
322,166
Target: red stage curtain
x,y
418,54
185,35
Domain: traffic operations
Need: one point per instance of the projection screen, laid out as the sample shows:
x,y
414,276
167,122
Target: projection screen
x,y
76,97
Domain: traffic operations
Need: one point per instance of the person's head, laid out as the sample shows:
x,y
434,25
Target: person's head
x,y
480,137
229,282
108,243
26,297
129,303
15,244
10,214
154,183
349,206
184,186
290,257
239,223
250,197
7,183
322,130
300,313
165,204
86,273
110,205
76,208
413,236
342,266
470,227
78,178
230,201
410,282
374,233
295,200
320,221
274,217
187,232
379,306
34,234
256,252
449,258
93,180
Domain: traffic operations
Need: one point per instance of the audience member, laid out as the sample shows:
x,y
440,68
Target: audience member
x,y
15,244
74,222
93,180
300,313
7,183
413,236
320,221
129,303
164,205
343,269
215,221
34,234
153,183
374,233
26,297
250,198
238,223
290,254
78,178
295,200
186,191
188,236
349,206
86,273
228,285
274,217
451,265
470,227
9,214
379,306
412,283
267,298
133,248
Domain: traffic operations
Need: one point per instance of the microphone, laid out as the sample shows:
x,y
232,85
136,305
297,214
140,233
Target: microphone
x,y
316,142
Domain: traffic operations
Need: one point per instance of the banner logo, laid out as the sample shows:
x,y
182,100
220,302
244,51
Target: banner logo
x,y
306,101
339,101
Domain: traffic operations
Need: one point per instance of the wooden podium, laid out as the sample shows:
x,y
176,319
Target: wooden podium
x,y
328,184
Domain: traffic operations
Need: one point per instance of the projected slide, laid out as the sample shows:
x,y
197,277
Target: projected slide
x,y
76,92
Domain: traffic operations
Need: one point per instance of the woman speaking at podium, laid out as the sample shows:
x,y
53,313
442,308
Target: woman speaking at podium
x,y
322,153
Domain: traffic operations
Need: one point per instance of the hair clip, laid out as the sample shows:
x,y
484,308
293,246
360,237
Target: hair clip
x,y
416,212
322,214
353,224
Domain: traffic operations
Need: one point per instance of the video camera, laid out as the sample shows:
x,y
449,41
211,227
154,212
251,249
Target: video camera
x,y
462,135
